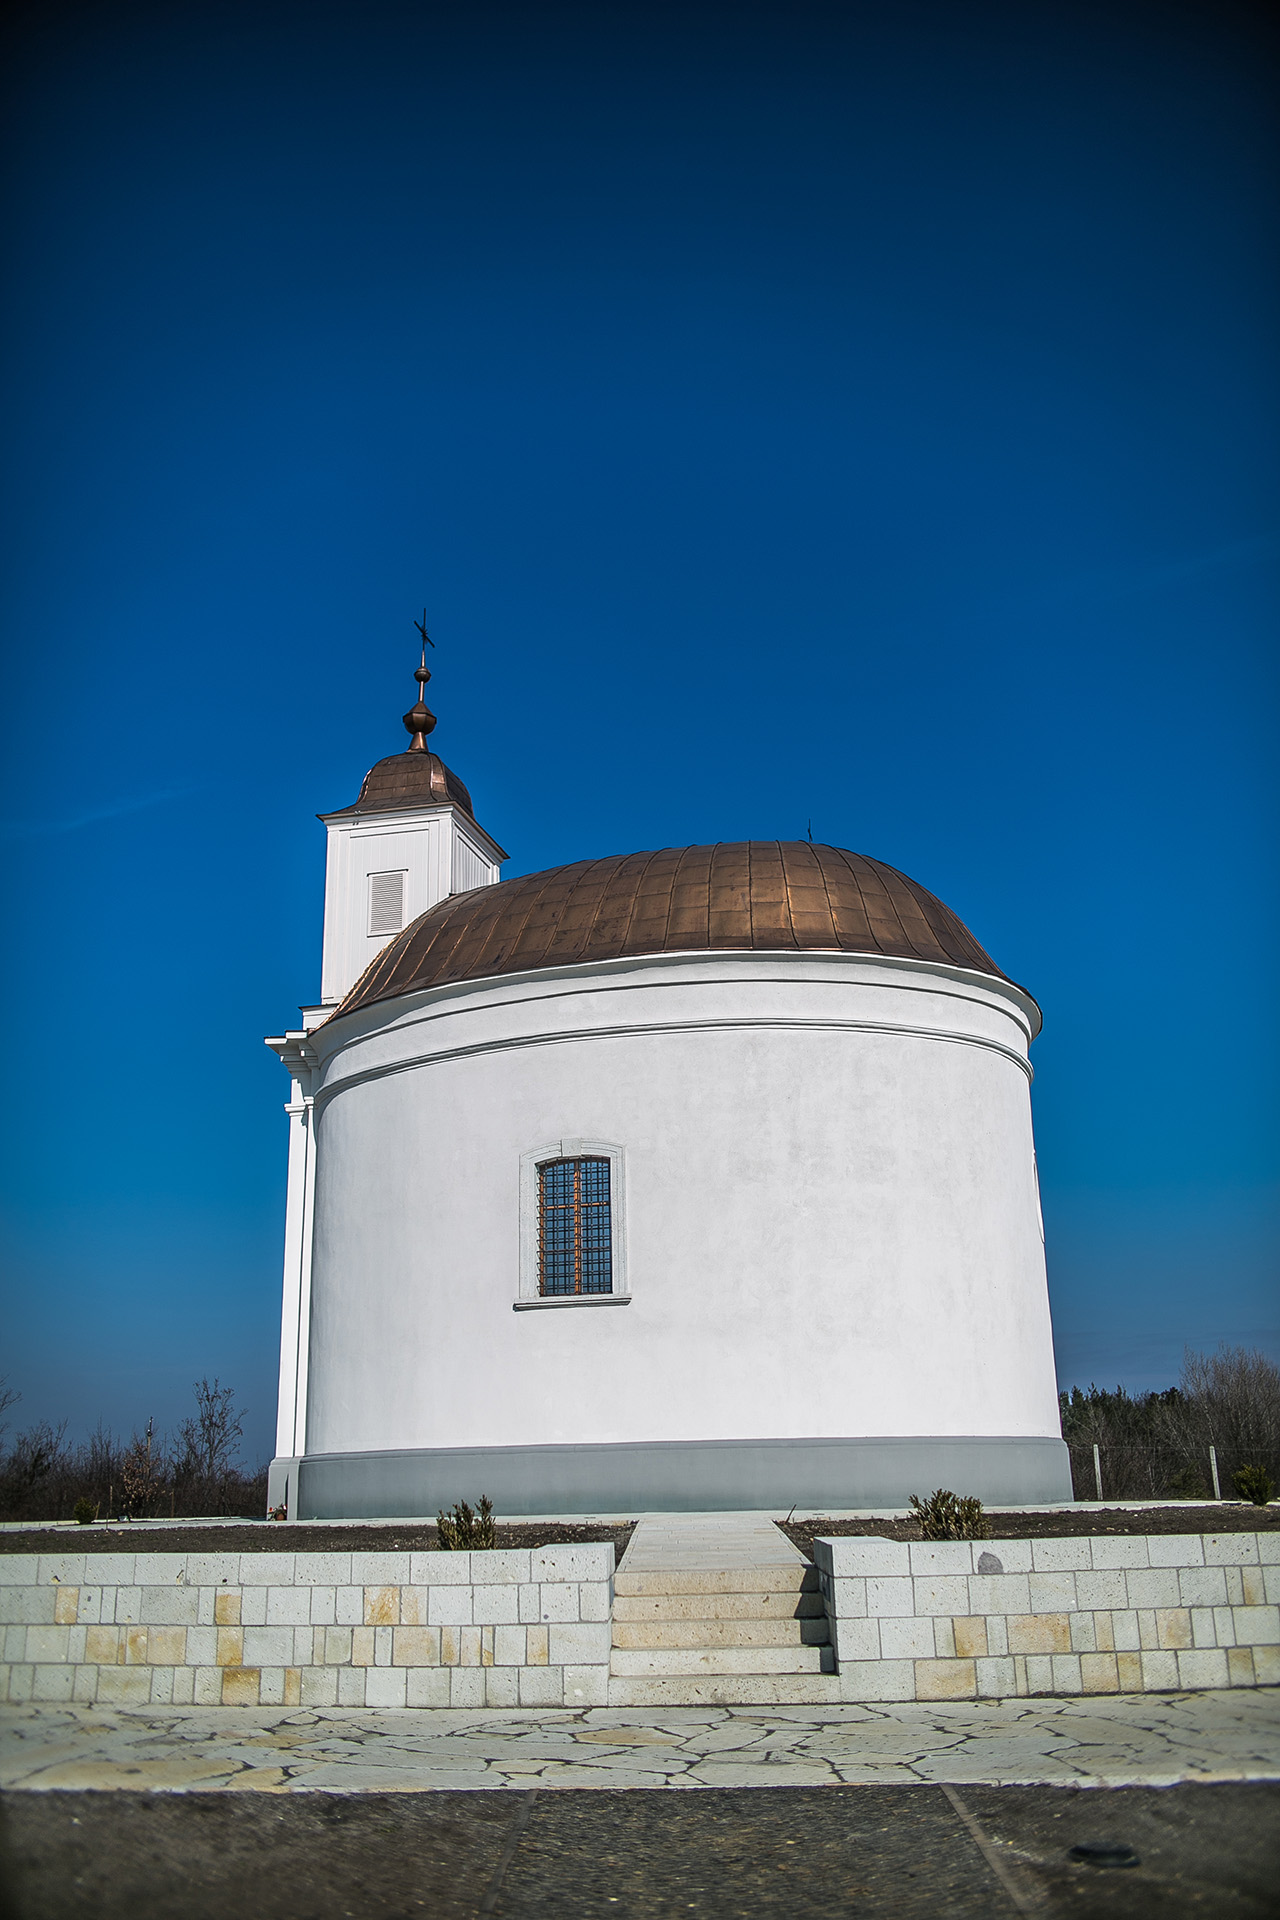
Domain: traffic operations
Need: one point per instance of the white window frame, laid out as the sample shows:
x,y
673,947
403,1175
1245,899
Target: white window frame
x,y
529,1295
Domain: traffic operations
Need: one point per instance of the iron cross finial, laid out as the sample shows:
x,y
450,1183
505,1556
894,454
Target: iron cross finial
x,y
427,641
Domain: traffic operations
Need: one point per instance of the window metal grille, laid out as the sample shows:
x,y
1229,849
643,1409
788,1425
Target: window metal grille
x,y
575,1233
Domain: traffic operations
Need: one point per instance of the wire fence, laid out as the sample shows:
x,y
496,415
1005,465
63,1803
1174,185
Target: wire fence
x,y
1124,1469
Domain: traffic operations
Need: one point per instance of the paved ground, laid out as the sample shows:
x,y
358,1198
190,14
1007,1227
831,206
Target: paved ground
x,y
1144,1740
893,1853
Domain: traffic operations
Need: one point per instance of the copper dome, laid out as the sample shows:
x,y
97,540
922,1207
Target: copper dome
x,y
768,895
413,778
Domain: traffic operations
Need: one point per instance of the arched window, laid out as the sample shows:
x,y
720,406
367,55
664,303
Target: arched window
x,y
575,1227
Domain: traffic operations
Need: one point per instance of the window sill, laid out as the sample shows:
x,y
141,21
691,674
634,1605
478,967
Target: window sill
x,y
571,1300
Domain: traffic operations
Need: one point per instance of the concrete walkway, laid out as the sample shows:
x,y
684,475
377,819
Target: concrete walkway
x,y
1142,1740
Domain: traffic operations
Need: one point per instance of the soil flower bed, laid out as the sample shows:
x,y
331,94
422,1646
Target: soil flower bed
x,y
1209,1516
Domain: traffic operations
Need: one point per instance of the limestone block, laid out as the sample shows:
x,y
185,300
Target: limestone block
x,y
382,1646
944,1637
240,1686
384,1687
530,1604
162,1685
89,1606
124,1686
1255,1626
906,1639
1233,1576
1039,1633
486,1645
319,1687
1202,1587
970,1637
351,1685
439,1570
1066,1673
449,1607
20,1679
266,1570
555,1564
102,1646
288,1606
1203,1667
253,1606
1155,1587
382,1606
558,1601
202,1646
66,1606
293,1686
1266,1665
426,1686
1125,1636
509,1646
1160,1672
207,1690
52,1683
1240,1670
264,1647
184,1686
1203,1631
878,1680
595,1603
1124,1550
1148,1638
48,1643
1173,1627
1099,1673
210,1570
1098,1591
999,1593
230,1651
21,1569
270,1684
1129,1668
166,1646
226,1609
322,1569
1084,1633
945,1680
541,1686
994,1678
1014,1555
1271,1584
502,1687
1052,1592
415,1647
504,1566
941,1594
57,1569
135,1646
27,1606
467,1684
1268,1548
85,1687
537,1641
997,1635
857,1559
1253,1581
847,1599
930,1558
586,1686
891,1598
127,1610
170,1606
349,1606
495,1605
1175,1550
580,1644
336,1649
1061,1556
1039,1673
1230,1549
382,1570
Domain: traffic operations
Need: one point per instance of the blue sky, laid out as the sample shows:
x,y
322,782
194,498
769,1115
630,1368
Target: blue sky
x,y
862,415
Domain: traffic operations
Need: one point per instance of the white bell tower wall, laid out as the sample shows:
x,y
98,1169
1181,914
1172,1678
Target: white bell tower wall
x,y
383,870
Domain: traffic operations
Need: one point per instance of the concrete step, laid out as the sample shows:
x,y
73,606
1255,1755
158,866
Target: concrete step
x,y
726,1690
719,1606
797,1579
692,1661
720,1633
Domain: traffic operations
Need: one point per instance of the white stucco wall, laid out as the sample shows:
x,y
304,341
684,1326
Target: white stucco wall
x,y
833,1226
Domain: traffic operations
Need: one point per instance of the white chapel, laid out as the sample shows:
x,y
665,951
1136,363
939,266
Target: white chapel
x,y
678,1180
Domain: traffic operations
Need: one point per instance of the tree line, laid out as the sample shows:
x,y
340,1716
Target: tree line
x,y
195,1471
1156,1446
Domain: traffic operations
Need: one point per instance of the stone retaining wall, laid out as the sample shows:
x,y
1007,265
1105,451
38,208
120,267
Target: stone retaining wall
x,y
501,1629
961,1620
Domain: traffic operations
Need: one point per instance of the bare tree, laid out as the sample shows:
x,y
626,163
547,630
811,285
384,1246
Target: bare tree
x,y
1233,1403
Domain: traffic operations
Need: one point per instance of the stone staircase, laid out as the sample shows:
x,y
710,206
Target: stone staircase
x,y
717,1610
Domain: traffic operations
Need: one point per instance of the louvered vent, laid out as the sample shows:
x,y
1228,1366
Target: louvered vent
x,y
386,902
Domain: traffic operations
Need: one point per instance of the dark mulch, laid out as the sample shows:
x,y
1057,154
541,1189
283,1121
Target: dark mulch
x,y
290,1536
1210,1516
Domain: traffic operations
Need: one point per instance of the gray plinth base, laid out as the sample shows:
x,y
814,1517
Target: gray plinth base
x,y
680,1476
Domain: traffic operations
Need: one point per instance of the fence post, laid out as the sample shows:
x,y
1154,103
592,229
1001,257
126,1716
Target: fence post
x,y
1097,1469
1213,1468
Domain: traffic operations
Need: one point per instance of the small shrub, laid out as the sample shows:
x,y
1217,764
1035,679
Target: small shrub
x,y
1253,1483
951,1516
462,1528
84,1512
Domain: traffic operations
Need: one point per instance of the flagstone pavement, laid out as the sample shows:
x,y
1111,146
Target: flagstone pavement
x,y
1147,1740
